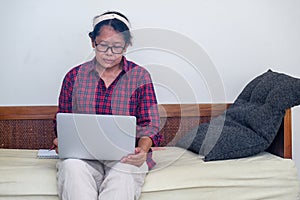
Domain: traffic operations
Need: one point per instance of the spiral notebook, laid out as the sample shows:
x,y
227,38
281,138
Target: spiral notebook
x,y
46,154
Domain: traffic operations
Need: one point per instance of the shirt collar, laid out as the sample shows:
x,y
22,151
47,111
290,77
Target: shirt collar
x,y
92,65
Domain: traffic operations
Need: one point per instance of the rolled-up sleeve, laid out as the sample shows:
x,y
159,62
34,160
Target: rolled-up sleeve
x,y
148,121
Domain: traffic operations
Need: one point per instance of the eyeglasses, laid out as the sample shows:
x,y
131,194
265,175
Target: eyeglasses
x,y
105,47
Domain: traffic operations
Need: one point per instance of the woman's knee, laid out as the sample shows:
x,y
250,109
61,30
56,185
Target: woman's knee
x,y
70,163
71,166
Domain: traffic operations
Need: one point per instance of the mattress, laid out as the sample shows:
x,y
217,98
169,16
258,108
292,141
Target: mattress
x,y
179,174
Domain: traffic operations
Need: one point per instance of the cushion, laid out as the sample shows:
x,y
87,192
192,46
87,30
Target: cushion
x,y
179,174
250,124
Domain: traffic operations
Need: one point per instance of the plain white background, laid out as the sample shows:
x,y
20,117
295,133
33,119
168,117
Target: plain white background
x,y
202,51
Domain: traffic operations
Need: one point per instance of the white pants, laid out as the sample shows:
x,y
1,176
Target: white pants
x,y
91,180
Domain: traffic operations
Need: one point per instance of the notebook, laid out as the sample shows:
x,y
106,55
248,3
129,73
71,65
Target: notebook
x,y
95,137
46,153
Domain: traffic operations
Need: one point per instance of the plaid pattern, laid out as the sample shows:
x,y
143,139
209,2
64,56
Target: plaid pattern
x,y
131,93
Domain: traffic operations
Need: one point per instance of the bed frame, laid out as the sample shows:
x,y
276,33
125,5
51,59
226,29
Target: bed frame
x,y
31,127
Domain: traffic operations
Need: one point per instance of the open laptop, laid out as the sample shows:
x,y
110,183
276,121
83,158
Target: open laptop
x,y
95,137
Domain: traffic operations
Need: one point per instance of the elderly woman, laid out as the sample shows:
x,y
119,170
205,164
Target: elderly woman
x,y
109,84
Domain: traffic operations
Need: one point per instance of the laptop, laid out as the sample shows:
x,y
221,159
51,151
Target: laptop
x,y
95,137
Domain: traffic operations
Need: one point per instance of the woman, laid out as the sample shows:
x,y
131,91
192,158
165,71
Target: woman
x,y
110,84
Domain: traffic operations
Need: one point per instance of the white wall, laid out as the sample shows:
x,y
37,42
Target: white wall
x,y
212,48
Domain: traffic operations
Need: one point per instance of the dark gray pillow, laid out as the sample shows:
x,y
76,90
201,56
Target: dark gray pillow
x,y
250,124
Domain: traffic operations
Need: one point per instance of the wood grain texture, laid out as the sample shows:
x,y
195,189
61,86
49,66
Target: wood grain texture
x,y
288,134
27,112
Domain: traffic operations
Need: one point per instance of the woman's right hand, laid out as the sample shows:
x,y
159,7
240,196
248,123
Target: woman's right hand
x,y
55,145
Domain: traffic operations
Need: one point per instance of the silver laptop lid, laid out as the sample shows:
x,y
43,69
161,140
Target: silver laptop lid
x,y
95,137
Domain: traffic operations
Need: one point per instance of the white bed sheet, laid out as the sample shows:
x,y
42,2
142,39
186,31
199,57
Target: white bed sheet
x,y
179,174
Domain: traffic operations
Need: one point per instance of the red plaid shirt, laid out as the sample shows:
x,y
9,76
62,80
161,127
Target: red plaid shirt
x,y
131,93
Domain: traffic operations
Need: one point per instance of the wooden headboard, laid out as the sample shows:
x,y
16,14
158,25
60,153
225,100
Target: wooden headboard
x,y
31,127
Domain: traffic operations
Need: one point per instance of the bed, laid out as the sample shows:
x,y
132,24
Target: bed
x,y
179,174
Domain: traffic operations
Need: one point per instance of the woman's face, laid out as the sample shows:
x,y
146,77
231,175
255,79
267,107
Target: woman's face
x,y
109,47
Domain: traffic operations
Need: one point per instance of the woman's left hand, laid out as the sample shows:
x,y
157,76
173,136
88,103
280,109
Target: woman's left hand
x,y
136,159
